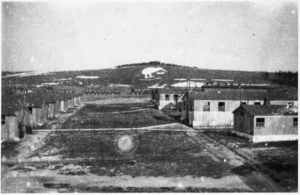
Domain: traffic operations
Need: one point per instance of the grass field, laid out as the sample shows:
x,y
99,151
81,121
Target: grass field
x,y
117,116
158,154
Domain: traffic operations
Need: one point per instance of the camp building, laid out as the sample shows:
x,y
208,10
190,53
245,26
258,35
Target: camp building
x,y
266,123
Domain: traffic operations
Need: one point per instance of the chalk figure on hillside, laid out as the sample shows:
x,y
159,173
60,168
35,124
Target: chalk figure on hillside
x,y
150,70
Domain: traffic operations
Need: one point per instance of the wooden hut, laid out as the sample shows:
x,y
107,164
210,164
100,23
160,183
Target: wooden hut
x,y
14,117
266,123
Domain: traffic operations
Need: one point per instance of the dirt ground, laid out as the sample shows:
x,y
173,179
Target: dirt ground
x,y
172,160
279,160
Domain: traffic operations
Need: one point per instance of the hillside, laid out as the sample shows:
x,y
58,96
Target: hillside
x,y
132,75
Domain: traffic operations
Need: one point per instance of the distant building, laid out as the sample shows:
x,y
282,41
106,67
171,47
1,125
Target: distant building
x,y
50,105
70,100
235,87
62,102
67,100
266,123
36,103
164,97
99,91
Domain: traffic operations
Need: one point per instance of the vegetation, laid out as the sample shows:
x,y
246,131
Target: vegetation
x,y
130,74
116,116
286,78
168,154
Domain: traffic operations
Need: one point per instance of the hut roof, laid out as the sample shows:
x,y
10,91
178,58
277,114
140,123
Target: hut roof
x,y
35,99
228,95
11,104
270,110
281,94
171,91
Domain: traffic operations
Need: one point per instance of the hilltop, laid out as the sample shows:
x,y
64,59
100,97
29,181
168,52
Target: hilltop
x,y
131,74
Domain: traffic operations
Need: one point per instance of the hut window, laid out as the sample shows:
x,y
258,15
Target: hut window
x,y
221,106
176,97
2,119
191,106
30,109
167,97
295,122
256,103
244,103
260,122
206,108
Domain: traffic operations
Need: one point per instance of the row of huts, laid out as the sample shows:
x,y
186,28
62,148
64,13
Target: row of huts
x,y
116,91
212,107
31,110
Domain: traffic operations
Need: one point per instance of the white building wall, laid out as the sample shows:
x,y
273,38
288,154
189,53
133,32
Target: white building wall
x,y
276,128
163,102
10,130
214,117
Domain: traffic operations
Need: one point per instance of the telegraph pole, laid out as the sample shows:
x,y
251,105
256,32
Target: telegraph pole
x,y
240,93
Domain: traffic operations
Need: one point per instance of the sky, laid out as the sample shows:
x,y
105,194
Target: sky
x,y
79,35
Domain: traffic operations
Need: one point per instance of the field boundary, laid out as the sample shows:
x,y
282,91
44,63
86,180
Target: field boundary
x,y
36,160
114,129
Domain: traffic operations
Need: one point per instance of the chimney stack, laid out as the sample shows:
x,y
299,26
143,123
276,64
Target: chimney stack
x,y
266,101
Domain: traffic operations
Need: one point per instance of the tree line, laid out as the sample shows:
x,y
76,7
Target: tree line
x,y
151,63
283,77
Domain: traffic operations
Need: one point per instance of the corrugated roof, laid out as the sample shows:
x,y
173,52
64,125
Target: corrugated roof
x,y
276,94
47,96
35,99
61,96
281,94
171,90
235,87
228,95
270,110
10,104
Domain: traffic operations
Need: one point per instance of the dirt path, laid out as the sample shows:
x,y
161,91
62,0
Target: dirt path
x,y
35,182
30,143
36,140
256,180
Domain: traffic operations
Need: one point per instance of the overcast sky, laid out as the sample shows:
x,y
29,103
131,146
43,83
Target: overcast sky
x,y
48,36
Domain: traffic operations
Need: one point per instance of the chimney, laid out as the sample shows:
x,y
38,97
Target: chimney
x,y
266,101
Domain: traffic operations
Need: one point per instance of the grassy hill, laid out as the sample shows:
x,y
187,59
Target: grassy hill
x,y
131,74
